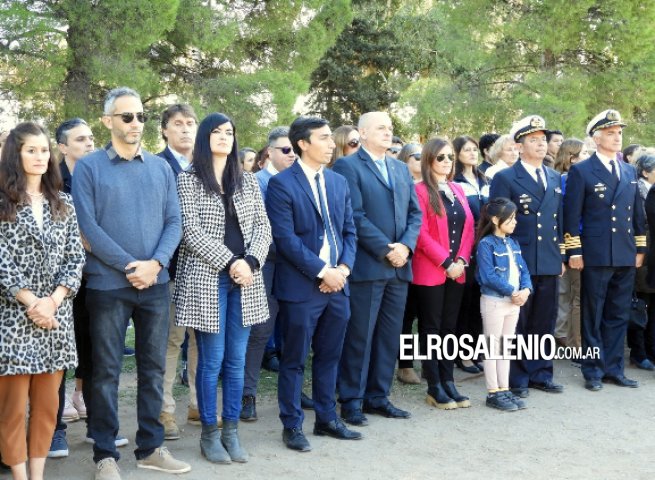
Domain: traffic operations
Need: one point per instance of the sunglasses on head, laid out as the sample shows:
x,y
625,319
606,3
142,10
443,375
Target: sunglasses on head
x,y
416,156
128,117
353,143
285,150
441,157
393,150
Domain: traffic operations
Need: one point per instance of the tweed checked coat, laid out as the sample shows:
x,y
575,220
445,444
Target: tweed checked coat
x,y
203,254
39,260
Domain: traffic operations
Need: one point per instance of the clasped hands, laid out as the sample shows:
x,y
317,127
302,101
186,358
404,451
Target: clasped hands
x,y
42,313
398,255
241,273
334,279
144,274
519,298
456,269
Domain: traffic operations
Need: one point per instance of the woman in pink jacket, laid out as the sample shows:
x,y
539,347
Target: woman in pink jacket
x,y
439,266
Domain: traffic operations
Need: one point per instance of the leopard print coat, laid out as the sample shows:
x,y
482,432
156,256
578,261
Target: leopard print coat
x,y
38,260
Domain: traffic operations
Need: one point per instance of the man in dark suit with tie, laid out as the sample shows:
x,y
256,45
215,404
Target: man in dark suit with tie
x,y
312,222
536,191
605,237
178,129
388,219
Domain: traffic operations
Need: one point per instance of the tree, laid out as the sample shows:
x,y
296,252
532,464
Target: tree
x,y
248,58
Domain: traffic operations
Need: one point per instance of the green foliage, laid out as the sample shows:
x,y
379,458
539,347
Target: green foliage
x,y
248,58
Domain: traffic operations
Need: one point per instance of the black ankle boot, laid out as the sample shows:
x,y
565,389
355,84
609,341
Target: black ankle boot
x,y
437,397
451,391
248,408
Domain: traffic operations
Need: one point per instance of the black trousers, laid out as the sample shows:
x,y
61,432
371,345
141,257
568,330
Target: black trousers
x,y
408,323
438,308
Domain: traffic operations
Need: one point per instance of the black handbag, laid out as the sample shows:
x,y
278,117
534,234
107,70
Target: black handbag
x,y
638,313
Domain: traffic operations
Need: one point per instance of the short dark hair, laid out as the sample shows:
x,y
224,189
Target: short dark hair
x,y
61,134
396,139
629,150
301,129
486,141
550,133
277,132
172,110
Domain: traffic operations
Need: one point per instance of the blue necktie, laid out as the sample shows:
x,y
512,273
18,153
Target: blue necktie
x,y
616,177
326,222
540,180
383,170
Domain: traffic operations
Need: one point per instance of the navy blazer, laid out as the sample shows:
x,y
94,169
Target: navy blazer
x,y
298,231
604,219
383,214
539,217
167,155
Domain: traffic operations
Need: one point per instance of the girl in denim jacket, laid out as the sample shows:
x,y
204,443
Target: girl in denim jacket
x,y
505,286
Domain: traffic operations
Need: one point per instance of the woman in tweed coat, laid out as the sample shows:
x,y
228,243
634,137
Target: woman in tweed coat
x,y
41,260
219,290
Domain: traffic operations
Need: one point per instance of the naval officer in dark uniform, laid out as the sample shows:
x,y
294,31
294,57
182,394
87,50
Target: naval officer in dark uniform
x,y
605,237
536,190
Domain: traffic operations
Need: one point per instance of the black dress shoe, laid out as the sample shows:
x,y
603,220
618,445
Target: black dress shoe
x,y
294,439
270,362
248,408
306,403
354,417
387,410
621,381
644,364
548,386
472,369
593,385
521,392
336,429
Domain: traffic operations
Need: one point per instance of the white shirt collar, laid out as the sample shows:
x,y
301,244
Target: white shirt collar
x,y
309,172
373,156
271,169
181,159
605,159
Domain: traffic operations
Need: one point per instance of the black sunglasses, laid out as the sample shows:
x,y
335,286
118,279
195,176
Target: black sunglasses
x,y
443,156
128,117
393,150
285,150
416,156
353,143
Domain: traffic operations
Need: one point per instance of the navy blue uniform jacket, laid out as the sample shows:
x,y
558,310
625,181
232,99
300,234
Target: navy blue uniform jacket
x,y
604,219
539,218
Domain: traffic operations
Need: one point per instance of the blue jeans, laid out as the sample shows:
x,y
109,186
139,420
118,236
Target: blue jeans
x,y
109,312
226,351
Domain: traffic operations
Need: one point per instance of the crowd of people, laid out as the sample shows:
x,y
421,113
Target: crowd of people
x,y
324,242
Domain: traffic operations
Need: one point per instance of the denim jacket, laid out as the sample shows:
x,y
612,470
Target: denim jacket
x,y
492,271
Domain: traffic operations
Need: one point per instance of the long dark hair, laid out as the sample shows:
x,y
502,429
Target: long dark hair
x,y
500,207
203,164
458,145
12,175
428,155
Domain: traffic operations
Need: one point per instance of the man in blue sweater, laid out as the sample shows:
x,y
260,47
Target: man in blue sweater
x,y
128,211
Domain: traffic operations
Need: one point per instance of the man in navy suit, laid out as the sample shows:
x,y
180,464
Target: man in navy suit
x,y
178,129
605,237
312,222
388,219
536,191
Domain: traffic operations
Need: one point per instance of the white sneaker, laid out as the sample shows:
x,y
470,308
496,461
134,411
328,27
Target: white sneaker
x,y
70,413
119,442
78,402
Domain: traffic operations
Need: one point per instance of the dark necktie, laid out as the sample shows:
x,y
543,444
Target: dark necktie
x,y
326,222
616,177
540,180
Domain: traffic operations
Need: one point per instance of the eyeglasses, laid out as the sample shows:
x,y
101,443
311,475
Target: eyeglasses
x,y
443,156
128,117
416,156
285,150
394,150
354,143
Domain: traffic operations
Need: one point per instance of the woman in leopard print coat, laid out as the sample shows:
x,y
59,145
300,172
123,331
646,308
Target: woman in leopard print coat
x,y
41,260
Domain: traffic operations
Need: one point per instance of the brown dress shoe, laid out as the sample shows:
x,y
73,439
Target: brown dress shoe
x,y
408,376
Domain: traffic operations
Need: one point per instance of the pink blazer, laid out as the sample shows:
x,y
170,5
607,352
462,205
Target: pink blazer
x,y
433,240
